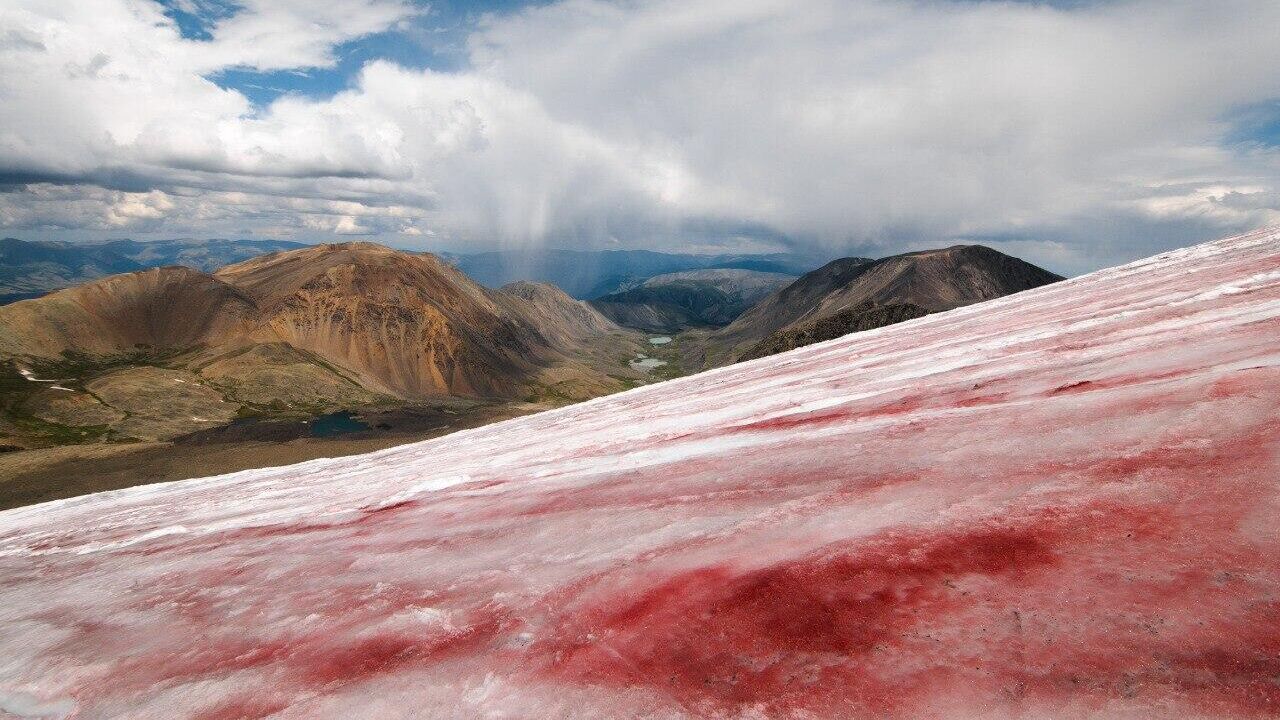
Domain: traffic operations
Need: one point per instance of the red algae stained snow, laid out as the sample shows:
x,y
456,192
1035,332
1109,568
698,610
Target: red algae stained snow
x,y
1061,503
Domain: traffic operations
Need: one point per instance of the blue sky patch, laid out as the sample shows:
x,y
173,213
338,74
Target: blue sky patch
x,y
1257,124
397,46
196,18
436,40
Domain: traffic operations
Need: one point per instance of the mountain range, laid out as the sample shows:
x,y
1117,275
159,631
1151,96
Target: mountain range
x,y
672,302
322,327
1058,504
587,275
178,354
33,268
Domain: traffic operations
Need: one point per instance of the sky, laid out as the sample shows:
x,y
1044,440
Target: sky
x,y
1076,134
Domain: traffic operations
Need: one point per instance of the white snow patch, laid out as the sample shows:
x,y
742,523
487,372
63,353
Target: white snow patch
x,y
32,376
151,535
423,487
432,616
29,706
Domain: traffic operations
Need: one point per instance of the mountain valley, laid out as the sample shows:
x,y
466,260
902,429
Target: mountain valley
x,y
186,371
673,302
166,355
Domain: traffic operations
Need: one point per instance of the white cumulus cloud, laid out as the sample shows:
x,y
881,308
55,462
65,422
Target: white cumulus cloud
x,y
1078,135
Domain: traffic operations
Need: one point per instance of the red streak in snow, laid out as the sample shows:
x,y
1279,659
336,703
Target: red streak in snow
x,y
334,655
830,417
875,626
242,709
771,636
1115,382
329,664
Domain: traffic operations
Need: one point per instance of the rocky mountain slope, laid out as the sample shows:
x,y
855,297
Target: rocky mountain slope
x,y
559,318
1059,503
318,328
406,325
163,308
863,316
673,302
930,280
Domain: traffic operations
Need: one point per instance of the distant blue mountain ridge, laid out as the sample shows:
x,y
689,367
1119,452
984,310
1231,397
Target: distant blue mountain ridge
x,y
30,269
589,274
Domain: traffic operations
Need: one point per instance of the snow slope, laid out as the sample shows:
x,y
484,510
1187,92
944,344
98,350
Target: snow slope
x,y
1062,503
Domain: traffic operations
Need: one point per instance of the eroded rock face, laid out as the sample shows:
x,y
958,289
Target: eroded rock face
x,y
1057,504
406,324
359,321
559,318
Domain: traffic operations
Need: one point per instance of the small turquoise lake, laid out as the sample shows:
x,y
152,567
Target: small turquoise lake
x,y
338,423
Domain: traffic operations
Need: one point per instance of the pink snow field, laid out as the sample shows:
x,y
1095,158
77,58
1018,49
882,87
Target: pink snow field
x,y
1060,504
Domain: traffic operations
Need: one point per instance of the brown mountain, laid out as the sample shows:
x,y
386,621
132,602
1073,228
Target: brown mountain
x,y
406,325
560,319
171,307
304,331
863,316
855,291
